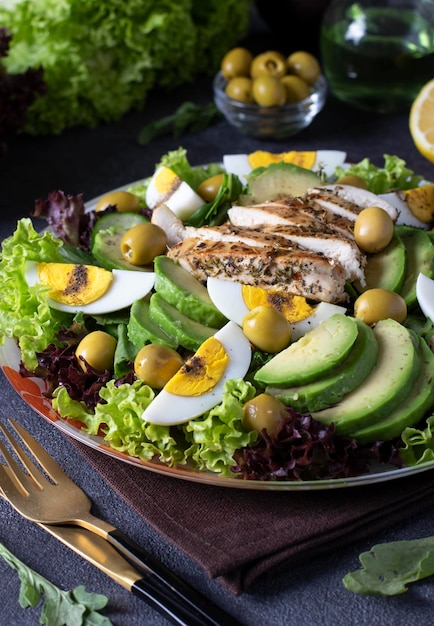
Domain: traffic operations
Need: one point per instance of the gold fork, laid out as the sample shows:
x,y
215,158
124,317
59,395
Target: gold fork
x,y
63,502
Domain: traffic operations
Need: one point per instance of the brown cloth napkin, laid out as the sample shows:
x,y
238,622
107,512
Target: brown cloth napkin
x,y
209,523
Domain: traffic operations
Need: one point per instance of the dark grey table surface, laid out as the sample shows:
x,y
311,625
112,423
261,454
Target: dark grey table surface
x,y
91,162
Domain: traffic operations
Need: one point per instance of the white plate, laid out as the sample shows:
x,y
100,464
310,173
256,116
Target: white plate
x,y
31,390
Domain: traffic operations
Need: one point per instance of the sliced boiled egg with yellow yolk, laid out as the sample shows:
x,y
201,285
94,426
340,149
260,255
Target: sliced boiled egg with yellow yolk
x,y
200,383
166,187
425,295
325,161
235,300
88,288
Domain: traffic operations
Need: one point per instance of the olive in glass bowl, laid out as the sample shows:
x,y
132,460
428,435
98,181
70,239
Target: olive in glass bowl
x,y
274,122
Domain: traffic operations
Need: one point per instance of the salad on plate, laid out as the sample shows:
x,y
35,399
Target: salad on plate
x,y
266,319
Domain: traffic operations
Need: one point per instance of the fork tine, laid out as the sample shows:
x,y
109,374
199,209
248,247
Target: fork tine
x,y
12,478
46,461
33,472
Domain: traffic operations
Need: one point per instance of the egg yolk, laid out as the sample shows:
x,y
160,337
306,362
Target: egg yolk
x,y
166,181
74,284
201,372
260,158
294,308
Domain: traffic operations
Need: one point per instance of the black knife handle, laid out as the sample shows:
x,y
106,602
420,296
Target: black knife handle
x,y
162,588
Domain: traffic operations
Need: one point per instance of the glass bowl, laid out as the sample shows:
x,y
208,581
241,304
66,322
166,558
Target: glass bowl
x,y
276,122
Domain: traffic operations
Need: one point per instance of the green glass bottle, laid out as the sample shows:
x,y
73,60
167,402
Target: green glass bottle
x,y
377,54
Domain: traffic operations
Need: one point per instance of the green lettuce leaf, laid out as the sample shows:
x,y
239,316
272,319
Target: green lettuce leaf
x,y
177,161
101,59
24,313
394,175
389,567
418,444
208,442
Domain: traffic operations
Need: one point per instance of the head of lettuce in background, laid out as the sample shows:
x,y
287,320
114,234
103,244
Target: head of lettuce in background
x,y
101,58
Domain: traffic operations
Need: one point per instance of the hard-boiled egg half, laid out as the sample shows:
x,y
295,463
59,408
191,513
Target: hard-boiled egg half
x,y
425,295
166,187
88,288
235,300
321,160
199,385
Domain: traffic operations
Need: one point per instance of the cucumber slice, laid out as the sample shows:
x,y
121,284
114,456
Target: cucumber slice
x,y
106,249
124,221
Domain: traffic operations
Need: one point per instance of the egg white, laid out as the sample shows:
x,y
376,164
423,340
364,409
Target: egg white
x,y
178,195
405,216
425,295
227,296
326,161
170,409
126,287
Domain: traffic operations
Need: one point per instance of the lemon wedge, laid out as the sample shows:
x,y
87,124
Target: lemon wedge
x,y
422,121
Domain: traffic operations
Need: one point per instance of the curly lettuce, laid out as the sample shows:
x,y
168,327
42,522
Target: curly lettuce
x,y
101,59
418,444
207,443
393,175
24,312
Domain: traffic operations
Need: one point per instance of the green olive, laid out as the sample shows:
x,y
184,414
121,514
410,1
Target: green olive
x,y
270,63
124,201
210,187
305,65
240,89
263,411
98,350
268,91
296,88
379,304
143,242
373,229
236,62
156,364
353,180
267,329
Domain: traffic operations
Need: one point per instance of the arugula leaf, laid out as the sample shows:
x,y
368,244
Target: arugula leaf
x,y
70,608
215,212
188,118
389,567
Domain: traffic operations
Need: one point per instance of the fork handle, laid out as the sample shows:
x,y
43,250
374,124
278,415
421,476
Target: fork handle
x,y
179,601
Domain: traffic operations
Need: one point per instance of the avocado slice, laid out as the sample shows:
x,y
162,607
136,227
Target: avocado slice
x,y
420,259
313,355
386,269
142,330
278,180
342,379
106,248
386,387
182,329
419,401
183,291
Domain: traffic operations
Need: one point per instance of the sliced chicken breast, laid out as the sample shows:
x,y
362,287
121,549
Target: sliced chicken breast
x,y
299,272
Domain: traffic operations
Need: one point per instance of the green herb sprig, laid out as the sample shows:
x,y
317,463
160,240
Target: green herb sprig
x,y
188,118
69,608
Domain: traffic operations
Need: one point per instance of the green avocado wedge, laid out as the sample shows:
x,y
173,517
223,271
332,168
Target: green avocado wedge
x,y
420,259
313,355
180,328
142,330
385,388
278,180
345,377
411,411
386,269
183,291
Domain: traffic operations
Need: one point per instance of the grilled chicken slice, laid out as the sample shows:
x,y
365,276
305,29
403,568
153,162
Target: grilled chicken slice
x,y
348,201
299,272
328,243
293,212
